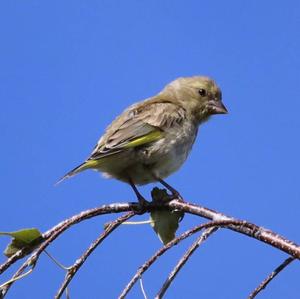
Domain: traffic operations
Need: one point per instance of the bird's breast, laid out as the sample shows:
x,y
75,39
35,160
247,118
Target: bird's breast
x,y
168,154
158,159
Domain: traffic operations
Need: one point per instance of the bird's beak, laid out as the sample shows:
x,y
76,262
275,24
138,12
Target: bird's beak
x,y
217,107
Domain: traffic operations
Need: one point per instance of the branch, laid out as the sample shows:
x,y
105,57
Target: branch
x,y
266,281
246,228
251,230
171,244
62,226
73,269
53,233
142,289
184,259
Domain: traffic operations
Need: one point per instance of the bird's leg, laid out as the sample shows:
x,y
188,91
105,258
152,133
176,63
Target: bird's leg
x,y
142,201
174,192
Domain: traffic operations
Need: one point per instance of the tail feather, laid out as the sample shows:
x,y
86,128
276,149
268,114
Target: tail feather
x,y
73,172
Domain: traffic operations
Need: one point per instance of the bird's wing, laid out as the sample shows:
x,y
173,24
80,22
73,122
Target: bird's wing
x,y
138,125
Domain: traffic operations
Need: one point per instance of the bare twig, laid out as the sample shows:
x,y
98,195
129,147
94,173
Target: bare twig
x,y
266,281
55,231
247,228
60,265
251,230
67,294
169,245
56,262
34,257
79,262
142,288
184,259
16,278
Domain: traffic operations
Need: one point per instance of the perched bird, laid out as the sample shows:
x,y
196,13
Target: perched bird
x,y
152,139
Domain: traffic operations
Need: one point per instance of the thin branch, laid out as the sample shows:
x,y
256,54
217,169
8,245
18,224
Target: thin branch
x,y
15,279
56,262
267,280
184,259
171,244
65,224
55,232
67,293
33,258
251,230
79,262
138,222
248,229
142,288
60,265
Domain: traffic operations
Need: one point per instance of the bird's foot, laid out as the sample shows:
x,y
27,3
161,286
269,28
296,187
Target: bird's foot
x,y
143,204
174,193
162,196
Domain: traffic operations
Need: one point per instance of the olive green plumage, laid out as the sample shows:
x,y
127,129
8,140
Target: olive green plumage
x,y
152,139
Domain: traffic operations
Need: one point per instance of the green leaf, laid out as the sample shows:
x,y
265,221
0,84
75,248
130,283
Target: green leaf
x,y
20,239
165,224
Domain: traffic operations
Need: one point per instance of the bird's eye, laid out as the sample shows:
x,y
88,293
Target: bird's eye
x,y
202,92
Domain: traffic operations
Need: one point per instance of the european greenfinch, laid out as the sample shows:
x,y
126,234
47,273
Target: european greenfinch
x,y
152,139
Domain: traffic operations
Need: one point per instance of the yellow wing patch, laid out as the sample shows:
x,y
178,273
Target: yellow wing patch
x,y
95,163
153,136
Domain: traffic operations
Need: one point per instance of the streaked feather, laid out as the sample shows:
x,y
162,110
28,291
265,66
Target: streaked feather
x,y
137,122
139,125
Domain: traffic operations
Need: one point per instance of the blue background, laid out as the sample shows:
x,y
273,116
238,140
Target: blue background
x,y
67,68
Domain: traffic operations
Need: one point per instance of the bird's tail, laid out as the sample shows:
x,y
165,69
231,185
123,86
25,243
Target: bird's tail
x,y
85,165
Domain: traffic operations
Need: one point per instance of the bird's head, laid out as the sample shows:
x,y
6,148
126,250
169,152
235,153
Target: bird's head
x,y
198,95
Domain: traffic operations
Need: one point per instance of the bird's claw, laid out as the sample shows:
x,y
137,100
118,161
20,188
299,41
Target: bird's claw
x,y
176,195
143,205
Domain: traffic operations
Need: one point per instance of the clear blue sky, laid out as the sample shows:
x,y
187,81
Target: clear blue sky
x,y
67,68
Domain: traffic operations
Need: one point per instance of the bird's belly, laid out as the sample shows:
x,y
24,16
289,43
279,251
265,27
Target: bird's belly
x,y
144,165
170,162
164,158
148,170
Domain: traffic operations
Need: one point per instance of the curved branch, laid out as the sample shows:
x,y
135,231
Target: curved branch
x,y
79,262
266,281
171,244
247,228
50,236
184,259
55,231
251,230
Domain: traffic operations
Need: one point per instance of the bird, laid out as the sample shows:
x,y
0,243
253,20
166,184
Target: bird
x,y
151,139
